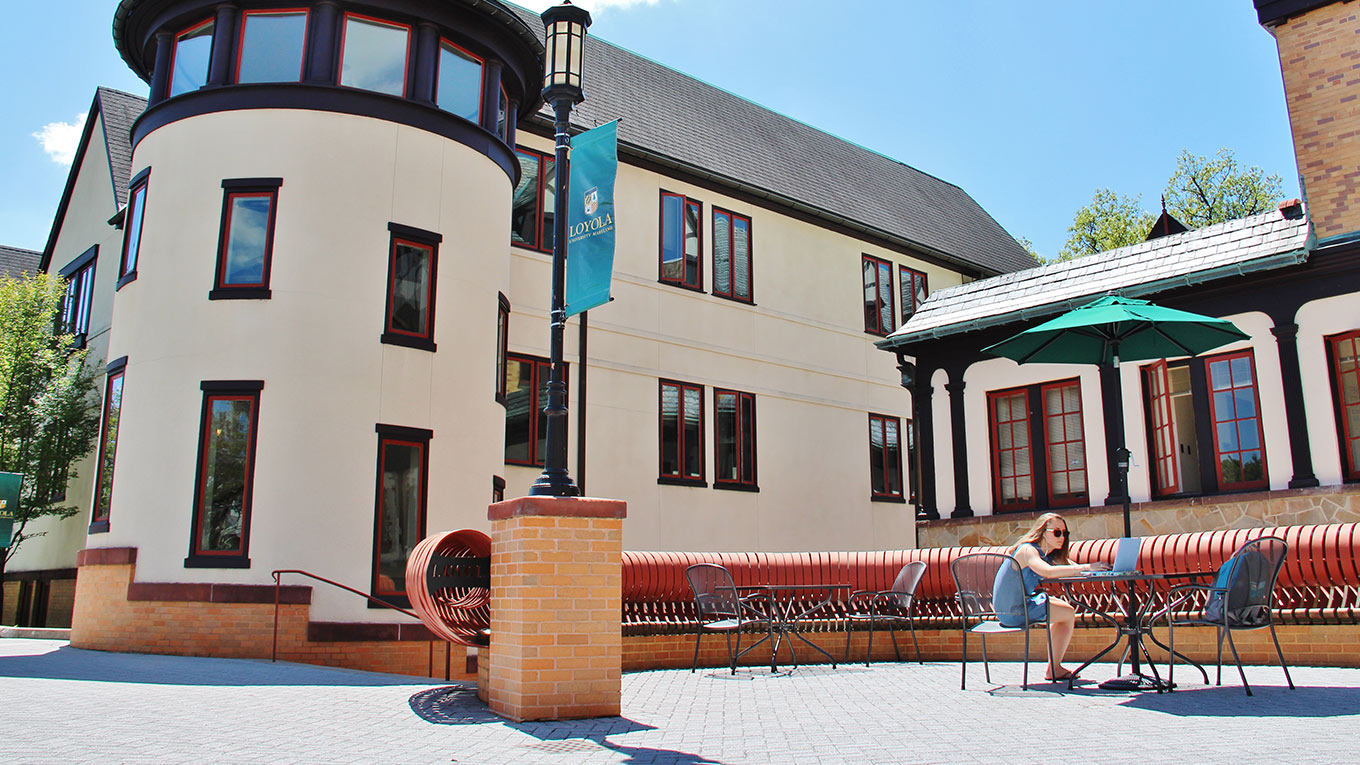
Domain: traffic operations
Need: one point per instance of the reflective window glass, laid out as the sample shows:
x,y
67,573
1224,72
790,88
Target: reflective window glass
x,y
271,46
189,62
460,82
373,55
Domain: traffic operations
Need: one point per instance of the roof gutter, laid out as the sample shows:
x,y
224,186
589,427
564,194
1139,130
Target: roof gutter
x,y
1267,263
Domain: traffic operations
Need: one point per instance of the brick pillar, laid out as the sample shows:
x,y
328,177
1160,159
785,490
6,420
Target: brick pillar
x,y
556,603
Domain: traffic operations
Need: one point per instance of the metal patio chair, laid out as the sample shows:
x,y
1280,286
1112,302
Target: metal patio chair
x,y
1242,597
991,588
891,606
722,610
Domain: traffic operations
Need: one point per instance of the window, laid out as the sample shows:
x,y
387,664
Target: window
x,y
271,46
885,458
75,308
108,445
503,116
412,269
526,394
1065,440
497,489
913,286
531,218
682,433
1161,421
132,227
225,475
189,60
680,241
245,243
399,507
459,88
1345,352
1234,409
878,297
502,343
1012,468
373,55
731,255
734,440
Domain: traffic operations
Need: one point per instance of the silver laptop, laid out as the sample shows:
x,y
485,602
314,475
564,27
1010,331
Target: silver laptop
x,y
1125,559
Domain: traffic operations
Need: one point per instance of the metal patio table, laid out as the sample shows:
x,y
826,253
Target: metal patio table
x,y
785,614
1133,625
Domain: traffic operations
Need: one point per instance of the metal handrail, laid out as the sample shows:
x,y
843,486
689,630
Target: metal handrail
x,y
278,586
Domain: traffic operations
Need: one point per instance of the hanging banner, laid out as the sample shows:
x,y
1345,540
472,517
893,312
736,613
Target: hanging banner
x,y
590,217
10,483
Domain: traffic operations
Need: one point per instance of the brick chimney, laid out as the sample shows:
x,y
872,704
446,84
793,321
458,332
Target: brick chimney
x,y
1319,44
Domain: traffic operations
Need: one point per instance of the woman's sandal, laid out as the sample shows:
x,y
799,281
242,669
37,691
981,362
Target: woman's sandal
x,y
1068,675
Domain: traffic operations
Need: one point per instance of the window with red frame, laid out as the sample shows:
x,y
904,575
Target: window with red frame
x,y
682,433
502,343
226,474
731,255
108,445
1065,441
1345,352
1161,421
189,60
1235,410
526,396
132,227
503,116
734,440
885,457
531,214
412,269
681,235
245,241
271,45
1012,462
458,89
399,507
373,54
912,283
878,296
75,308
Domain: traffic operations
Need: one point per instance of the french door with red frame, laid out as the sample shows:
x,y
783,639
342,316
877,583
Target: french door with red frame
x,y
1162,429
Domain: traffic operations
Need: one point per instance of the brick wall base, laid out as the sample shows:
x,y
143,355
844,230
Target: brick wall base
x,y
106,618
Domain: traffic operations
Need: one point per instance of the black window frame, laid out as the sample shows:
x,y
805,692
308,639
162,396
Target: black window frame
x,y
889,467
746,441
403,436
245,187
686,203
134,220
876,328
681,446
502,344
541,229
75,309
422,239
227,390
538,399
732,218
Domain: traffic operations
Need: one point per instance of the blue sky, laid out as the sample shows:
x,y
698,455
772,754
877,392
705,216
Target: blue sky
x,y
1029,107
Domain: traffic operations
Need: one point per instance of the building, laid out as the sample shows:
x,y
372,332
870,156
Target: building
x,y
16,260
327,285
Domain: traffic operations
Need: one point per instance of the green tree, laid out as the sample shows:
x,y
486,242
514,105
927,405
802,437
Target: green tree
x,y
1208,190
49,416
1109,221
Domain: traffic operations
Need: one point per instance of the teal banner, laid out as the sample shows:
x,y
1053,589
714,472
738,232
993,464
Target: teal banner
x,y
590,217
10,484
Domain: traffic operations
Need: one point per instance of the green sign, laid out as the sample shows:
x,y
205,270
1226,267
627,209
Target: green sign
x,y
590,217
10,484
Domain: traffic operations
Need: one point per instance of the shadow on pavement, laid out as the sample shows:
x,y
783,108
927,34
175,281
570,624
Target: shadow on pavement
x,y
66,663
1269,701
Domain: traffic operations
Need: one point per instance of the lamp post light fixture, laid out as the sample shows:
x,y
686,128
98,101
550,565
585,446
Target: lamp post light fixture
x,y
565,26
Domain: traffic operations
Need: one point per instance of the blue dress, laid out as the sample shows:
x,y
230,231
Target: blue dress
x,y
1012,602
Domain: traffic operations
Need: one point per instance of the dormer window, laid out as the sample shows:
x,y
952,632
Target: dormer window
x,y
373,55
189,67
271,46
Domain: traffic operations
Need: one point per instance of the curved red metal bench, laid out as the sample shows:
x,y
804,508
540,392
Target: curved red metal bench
x,y
448,582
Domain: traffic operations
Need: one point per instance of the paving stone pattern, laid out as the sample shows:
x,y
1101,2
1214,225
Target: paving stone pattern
x,y
64,705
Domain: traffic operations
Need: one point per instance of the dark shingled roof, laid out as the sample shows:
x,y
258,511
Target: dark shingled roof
x,y
713,132
120,110
14,261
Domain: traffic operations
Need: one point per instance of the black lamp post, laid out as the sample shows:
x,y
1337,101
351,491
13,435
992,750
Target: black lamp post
x,y
565,25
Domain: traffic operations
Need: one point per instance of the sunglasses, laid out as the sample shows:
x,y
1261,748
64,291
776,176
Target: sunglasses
x,y
1059,533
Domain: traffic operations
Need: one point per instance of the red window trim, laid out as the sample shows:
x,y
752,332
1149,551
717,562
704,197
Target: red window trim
x,y
685,203
901,283
732,257
538,245
1155,434
502,344
992,424
95,515
743,400
888,468
174,51
541,367
241,37
481,87
138,187
433,249
406,56
224,241
386,439
1349,472
200,478
1264,482
680,442
878,292
1075,499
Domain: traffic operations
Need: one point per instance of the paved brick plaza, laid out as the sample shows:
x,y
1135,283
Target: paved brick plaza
x,y
65,705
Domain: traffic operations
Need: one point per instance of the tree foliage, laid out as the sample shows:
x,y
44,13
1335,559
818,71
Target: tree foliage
x,y
49,417
1202,191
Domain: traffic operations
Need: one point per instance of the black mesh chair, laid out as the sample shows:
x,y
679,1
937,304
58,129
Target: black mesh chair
x,y
991,591
1242,597
722,610
889,606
